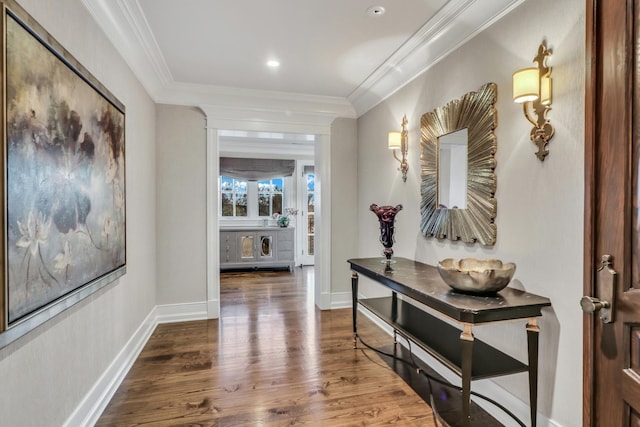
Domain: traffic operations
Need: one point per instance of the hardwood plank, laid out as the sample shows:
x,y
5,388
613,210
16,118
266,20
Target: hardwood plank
x,y
271,359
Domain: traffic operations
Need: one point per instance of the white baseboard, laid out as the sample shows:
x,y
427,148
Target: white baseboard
x,y
340,300
96,400
486,387
171,313
89,410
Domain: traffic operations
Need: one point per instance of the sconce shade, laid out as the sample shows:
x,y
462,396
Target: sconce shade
x,y
395,140
526,85
545,90
532,89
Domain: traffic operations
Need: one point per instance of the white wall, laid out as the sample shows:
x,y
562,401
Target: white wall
x,y
45,374
181,205
540,204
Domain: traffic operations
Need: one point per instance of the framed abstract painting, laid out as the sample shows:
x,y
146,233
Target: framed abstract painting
x,y
64,179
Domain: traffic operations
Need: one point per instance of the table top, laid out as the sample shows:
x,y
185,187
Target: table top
x,y
423,283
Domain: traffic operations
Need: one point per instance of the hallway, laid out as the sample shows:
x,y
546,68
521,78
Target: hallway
x,y
272,359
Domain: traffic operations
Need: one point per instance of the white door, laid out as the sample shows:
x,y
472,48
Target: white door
x,y
306,203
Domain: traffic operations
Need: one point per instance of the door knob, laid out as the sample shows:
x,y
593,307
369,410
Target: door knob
x,y
605,287
591,305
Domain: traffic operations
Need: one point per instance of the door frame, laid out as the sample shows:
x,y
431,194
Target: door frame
x,y
588,395
215,120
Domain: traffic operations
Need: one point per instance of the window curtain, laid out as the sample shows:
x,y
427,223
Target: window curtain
x,y
256,169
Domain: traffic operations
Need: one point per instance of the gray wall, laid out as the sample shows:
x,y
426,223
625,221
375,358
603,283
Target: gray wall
x,y
181,204
344,203
47,373
540,204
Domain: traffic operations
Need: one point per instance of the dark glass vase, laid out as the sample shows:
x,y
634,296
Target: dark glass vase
x,y
386,217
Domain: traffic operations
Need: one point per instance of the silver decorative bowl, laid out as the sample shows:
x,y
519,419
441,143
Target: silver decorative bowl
x,y
476,276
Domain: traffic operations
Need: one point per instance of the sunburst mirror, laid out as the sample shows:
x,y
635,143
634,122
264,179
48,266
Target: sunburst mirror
x,y
457,205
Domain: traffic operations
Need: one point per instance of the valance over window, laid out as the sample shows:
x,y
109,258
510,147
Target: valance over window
x,y
256,169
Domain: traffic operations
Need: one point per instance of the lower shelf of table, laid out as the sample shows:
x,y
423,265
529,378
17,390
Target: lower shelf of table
x,y
442,340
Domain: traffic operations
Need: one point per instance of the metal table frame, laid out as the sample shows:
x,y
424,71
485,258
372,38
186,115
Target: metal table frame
x,y
422,283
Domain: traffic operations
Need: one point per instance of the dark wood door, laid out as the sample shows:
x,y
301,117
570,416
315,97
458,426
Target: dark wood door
x,y
612,222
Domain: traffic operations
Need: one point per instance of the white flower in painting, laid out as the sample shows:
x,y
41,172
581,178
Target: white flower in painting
x,y
35,232
63,259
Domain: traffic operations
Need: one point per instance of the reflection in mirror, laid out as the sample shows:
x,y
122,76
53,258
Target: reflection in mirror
x,y
452,170
475,222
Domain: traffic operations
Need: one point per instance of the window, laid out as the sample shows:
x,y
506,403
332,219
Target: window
x,y
270,195
241,198
233,194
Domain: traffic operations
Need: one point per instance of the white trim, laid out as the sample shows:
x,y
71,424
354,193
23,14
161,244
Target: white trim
x,y
486,387
96,400
269,119
184,312
138,22
212,264
453,25
322,273
322,252
341,300
270,150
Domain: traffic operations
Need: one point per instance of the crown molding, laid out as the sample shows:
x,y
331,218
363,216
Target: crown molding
x,y
124,23
250,118
125,26
453,25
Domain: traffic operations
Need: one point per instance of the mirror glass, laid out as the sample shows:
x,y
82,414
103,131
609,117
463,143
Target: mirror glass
x,y
458,203
452,170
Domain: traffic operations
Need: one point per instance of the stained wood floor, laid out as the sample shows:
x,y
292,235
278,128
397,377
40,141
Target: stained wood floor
x,y
272,359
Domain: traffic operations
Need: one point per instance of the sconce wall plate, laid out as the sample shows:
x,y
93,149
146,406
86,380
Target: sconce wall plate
x,y
532,88
400,141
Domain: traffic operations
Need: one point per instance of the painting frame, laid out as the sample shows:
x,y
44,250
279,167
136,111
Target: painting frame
x,y
64,183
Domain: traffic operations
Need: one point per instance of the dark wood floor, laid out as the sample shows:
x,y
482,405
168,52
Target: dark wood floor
x,y
272,359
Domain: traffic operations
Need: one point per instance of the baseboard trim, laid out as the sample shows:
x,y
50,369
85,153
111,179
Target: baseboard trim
x,y
171,313
340,300
486,387
96,400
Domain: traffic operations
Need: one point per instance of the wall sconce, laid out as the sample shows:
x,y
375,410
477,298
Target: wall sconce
x,y
400,141
532,88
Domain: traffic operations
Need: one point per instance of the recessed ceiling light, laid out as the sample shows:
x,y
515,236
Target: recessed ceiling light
x,y
376,11
272,63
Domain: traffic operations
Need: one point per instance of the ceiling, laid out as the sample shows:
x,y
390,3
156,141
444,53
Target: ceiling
x,y
337,57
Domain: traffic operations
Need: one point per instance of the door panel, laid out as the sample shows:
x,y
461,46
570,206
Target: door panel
x,y
308,219
612,226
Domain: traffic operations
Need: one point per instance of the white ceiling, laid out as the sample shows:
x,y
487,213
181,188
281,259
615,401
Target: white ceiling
x,y
325,47
336,59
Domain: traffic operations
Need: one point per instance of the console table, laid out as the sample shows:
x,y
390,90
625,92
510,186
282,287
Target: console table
x,y
457,349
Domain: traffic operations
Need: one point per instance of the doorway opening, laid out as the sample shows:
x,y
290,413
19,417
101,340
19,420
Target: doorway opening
x,y
300,196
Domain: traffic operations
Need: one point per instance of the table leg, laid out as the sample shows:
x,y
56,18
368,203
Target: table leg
x,y
533,332
354,306
466,339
